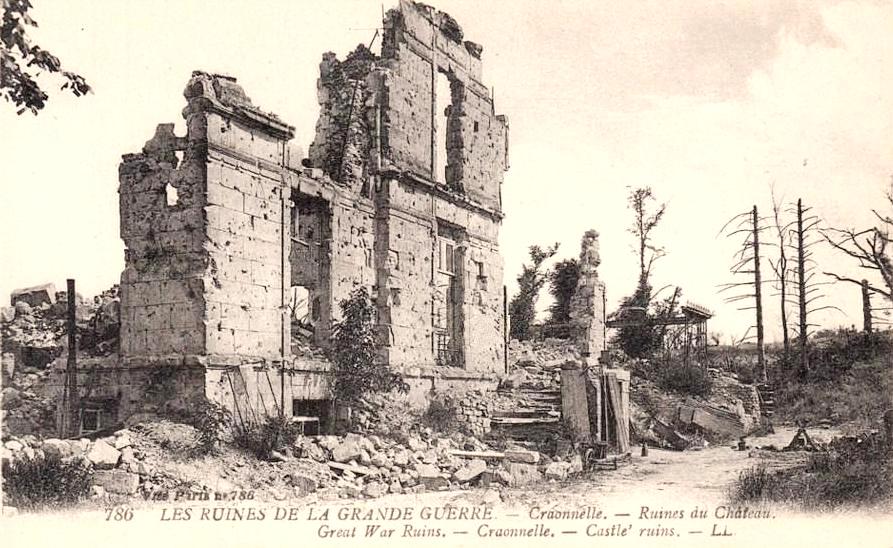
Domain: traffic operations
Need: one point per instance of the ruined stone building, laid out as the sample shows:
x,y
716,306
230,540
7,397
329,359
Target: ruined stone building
x,y
230,233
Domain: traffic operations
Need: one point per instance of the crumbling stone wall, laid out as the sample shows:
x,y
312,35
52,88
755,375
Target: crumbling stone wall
x,y
587,307
204,220
204,269
222,223
419,43
392,99
344,130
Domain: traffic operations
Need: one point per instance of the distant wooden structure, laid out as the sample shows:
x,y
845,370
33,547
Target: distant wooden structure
x,y
685,331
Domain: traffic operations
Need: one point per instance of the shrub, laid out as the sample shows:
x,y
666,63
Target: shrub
x,y
686,379
212,421
44,483
353,351
273,434
832,353
855,396
441,414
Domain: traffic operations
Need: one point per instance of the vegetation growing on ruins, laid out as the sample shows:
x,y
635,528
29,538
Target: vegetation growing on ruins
x,y
640,338
211,421
562,284
849,382
533,277
353,352
273,433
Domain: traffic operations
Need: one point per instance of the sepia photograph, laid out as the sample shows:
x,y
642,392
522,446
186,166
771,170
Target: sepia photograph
x,y
476,273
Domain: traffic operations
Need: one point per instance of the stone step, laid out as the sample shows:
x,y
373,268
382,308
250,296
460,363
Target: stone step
x,y
524,420
524,413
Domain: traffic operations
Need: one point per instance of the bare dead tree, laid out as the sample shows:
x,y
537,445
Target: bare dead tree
x,y
870,247
782,270
747,263
866,307
807,289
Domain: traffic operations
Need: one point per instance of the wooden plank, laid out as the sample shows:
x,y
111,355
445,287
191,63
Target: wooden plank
x,y
575,403
621,420
477,454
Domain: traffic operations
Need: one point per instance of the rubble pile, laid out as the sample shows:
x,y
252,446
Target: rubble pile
x,y
682,421
157,458
33,334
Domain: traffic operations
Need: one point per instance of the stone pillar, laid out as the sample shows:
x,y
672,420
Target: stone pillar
x,y
587,308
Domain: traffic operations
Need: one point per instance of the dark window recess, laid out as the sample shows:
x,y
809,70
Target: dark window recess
x,y
91,420
313,415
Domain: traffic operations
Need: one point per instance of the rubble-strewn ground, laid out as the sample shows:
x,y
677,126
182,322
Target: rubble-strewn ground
x,y
464,451
32,337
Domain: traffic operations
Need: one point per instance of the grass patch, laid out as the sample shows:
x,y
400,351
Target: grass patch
x,y
857,396
45,483
855,471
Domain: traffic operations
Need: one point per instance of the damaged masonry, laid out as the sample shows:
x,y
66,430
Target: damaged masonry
x,y
239,248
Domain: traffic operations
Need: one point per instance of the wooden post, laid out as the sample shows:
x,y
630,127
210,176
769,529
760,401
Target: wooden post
x,y
866,307
758,295
72,426
801,283
505,328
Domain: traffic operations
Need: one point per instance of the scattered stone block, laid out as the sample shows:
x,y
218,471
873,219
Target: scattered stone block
x,y
304,484
401,457
522,455
347,451
7,314
127,456
375,489
117,481
103,455
431,477
522,474
350,468
57,448
557,470
470,471
122,441
503,477
14,445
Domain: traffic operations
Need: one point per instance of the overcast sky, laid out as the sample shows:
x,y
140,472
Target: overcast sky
x,y
708,103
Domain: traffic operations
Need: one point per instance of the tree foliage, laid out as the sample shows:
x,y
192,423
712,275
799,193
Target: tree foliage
x,y
640,337
353,352
644,222
22,62
563,281
522,308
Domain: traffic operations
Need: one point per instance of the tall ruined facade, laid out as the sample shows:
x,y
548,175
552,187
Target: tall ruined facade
x,y
228,227
413,136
